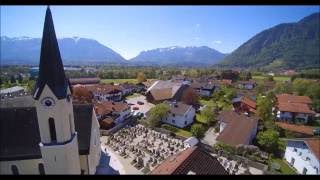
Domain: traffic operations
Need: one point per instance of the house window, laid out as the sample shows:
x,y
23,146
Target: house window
x,y
41,169
295,150
304,171
14,170
185,123
173,121
307,159
300,153
292,161
52,128
173,115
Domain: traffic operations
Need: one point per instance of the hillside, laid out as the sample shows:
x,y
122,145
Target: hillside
x,y
285,46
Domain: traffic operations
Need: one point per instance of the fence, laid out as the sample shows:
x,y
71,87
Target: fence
x,y
238,158
116,128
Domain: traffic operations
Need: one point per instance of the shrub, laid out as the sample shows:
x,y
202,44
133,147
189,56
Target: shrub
x,y
197,130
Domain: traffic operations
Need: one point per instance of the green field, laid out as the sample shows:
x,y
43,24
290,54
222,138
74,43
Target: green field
x,y
135,81
276,78
284,167
177,131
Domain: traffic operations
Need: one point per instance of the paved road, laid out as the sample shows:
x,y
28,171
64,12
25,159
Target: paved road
x,y
142,108
210,137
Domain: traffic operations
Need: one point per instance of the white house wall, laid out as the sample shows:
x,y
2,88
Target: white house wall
x,y
300,160
30,166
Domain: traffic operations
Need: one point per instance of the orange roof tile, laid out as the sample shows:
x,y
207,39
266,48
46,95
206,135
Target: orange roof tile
x,y
308,130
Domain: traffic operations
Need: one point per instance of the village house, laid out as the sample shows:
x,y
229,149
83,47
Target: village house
x,y
180,114
294,109
47,133
249,85
225,82
165,90
192,161
236,129
244,105
106,92
203,89
15,91
107,108
304,155
127,88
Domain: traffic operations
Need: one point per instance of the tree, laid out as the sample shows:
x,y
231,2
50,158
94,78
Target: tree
x,y
264,108
197,130
30,85
19,78
190,97
270,78
269,140
157,113
12,80
141,77
208,115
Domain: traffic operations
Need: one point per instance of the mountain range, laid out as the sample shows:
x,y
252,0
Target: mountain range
x,y
285,46
26,50
176,55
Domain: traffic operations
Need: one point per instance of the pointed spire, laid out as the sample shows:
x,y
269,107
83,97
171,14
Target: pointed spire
x,y
51,70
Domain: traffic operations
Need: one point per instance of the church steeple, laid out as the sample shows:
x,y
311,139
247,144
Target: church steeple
x,y
51,70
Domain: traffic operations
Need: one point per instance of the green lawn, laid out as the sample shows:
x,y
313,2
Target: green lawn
x,y
200,119
284,167
119,80
276,78
206,102
177,131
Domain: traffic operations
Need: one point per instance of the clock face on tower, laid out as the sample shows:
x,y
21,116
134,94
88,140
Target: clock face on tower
x,y
48,102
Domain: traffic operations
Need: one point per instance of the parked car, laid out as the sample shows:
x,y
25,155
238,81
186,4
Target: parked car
x,y
135,108
130,104
140,102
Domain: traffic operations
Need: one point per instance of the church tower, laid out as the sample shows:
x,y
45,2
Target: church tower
x,y
59,141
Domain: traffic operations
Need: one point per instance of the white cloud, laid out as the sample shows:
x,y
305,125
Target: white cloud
x,y
196,38
197,25
217,42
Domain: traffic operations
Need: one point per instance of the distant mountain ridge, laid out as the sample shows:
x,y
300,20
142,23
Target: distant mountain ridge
x,y
26,50
177,55
285,46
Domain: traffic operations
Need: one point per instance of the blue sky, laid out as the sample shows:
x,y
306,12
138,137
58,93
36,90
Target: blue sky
x,y
131,29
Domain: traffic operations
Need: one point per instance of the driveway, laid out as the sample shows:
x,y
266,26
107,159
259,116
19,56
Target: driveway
x,y
142,108
210,137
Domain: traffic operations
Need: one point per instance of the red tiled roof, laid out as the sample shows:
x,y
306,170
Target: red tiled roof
x,y
226,81
161,94
192,159
314,145
295,107
249,102
288,98
308,130
106,106
238,129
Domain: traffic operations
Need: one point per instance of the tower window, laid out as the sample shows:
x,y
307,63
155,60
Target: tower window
x,y
41,169
14,170
52,128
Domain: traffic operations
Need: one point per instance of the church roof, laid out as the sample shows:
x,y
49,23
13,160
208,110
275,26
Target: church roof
x,y
51,70
19,130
